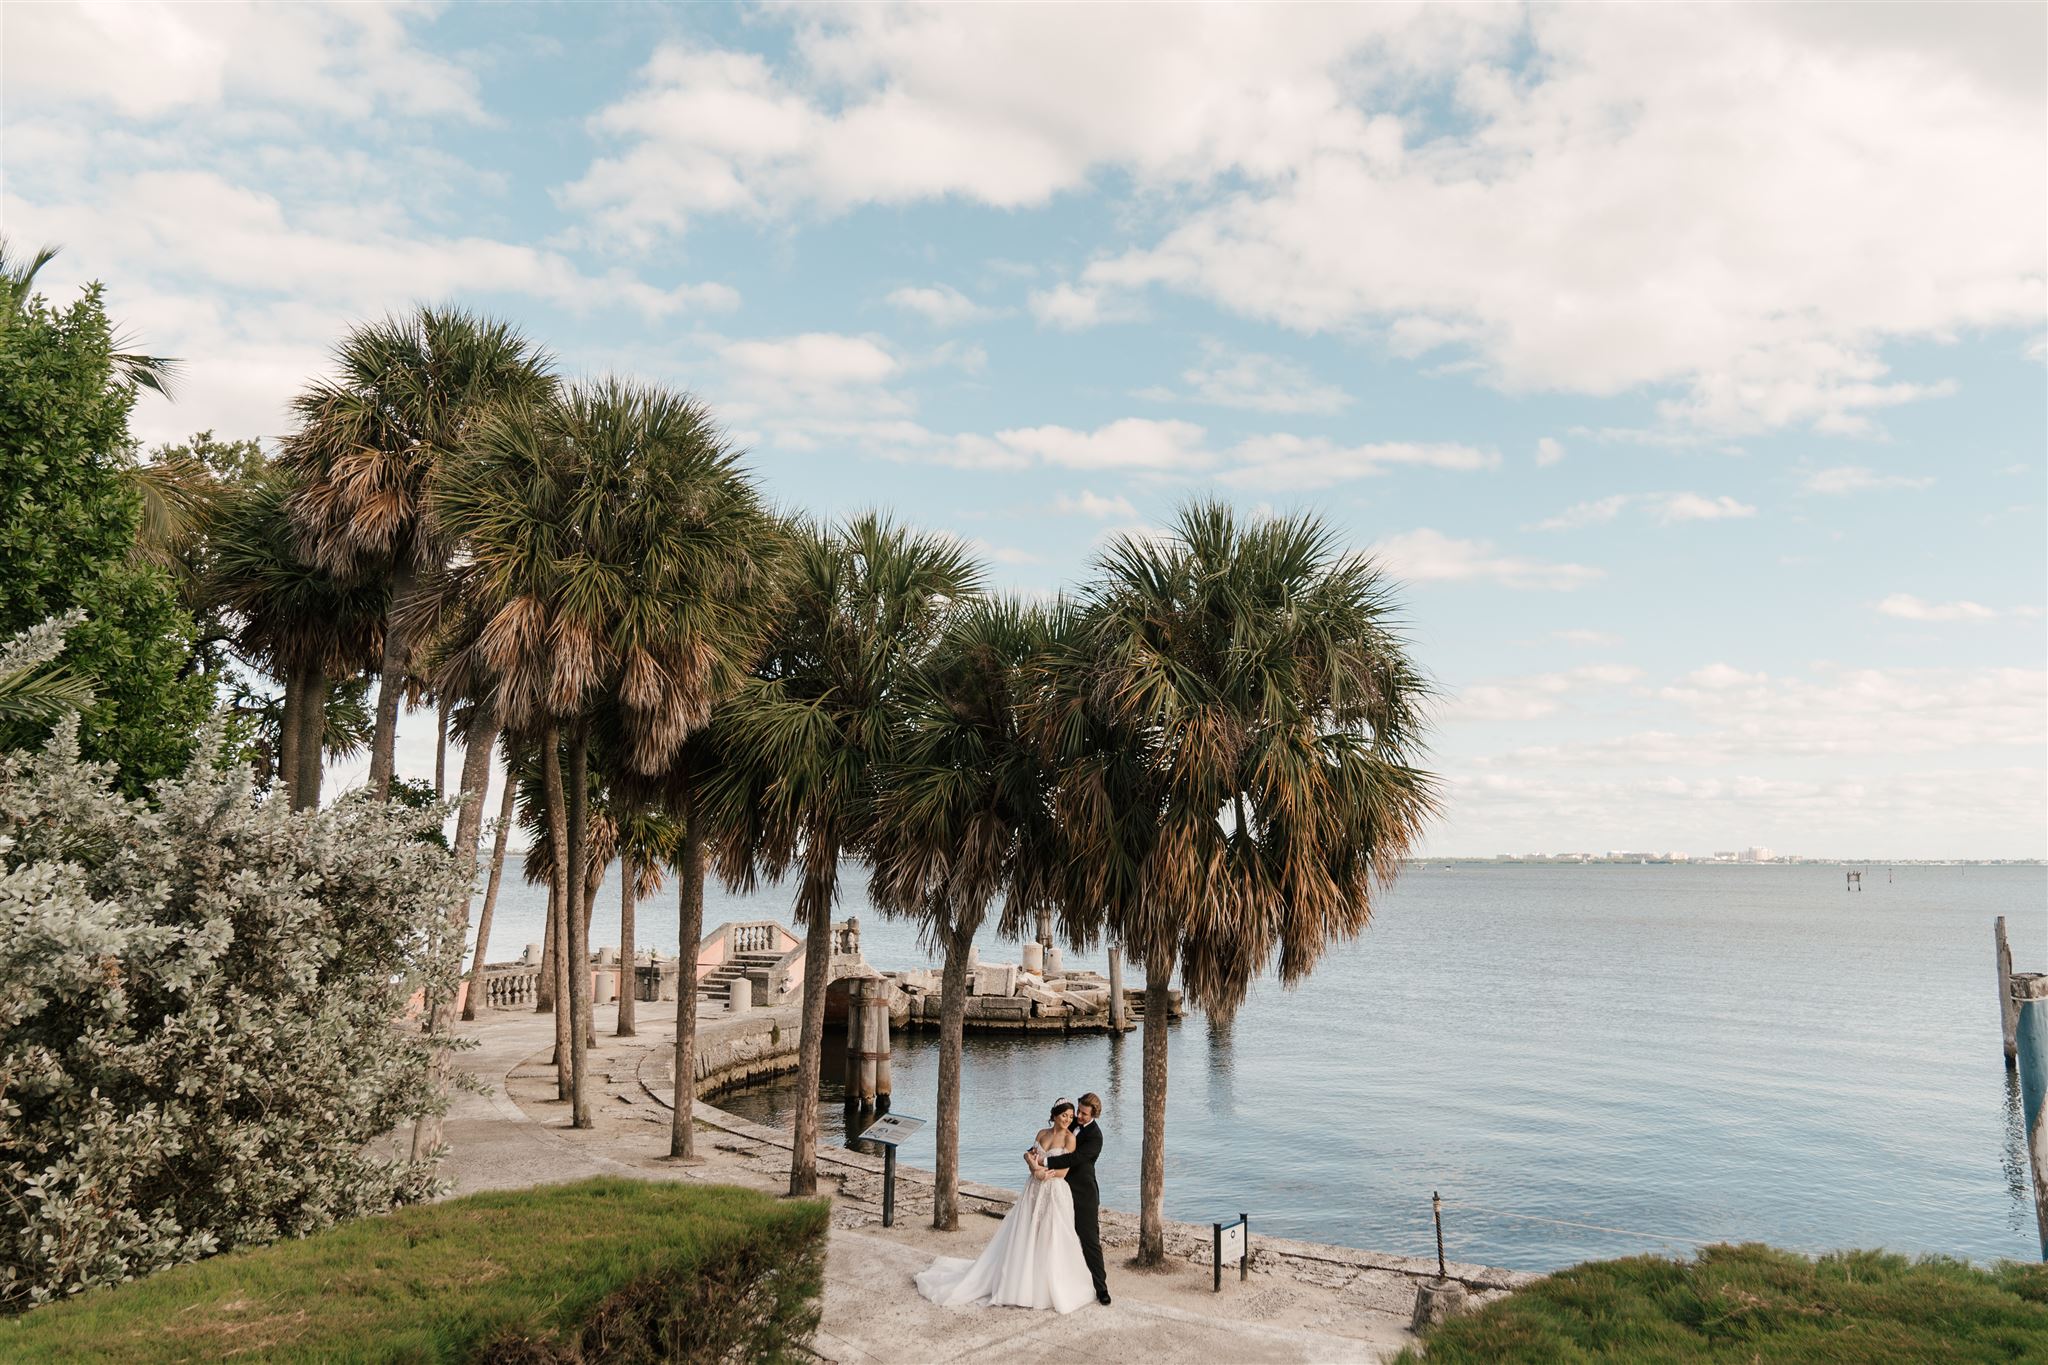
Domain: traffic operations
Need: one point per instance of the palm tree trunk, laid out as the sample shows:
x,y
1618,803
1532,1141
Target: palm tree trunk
x,y
441,750
390,686
814,903
483,922
682,1138
476,778
312,741
579,926
544,989
593,882
1152,1160
952,1028
563,896
288,732
627,897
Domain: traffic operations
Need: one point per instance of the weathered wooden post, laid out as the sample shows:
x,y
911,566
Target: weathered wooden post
x,y
2008,1008
883,1081
866,1033
1117,1013
2030,991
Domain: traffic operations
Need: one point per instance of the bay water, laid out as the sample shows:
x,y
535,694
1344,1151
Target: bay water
x,y
1585,1060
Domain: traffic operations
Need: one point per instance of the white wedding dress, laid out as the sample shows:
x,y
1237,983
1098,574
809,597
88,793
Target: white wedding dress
x,y
1034,1260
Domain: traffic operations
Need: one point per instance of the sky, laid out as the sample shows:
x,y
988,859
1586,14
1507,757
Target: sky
x,y
1687,367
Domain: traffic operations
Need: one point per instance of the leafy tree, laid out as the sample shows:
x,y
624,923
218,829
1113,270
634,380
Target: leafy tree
x,y
1235,722
806,739
196,1000
69,518
964,816
406,393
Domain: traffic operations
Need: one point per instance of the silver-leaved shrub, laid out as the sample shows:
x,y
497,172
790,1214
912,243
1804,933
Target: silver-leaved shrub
x,y
203,1015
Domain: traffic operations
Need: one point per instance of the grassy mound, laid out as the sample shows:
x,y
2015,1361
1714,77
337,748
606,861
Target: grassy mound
x,y
613,1270
1749,1303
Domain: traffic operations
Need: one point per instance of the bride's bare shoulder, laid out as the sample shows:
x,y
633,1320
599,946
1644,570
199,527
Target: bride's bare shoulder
x,y
1045,1137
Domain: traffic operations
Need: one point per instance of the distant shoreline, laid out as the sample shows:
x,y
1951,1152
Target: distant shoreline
x,y
1644,859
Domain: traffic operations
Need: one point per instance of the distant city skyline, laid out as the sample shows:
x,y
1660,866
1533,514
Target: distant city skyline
x,y
1685,366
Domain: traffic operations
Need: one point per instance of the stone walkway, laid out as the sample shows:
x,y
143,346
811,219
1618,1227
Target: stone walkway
x,y
1302,1302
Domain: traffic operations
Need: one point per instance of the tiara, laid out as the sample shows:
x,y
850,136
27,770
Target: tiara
x,y
1057,1103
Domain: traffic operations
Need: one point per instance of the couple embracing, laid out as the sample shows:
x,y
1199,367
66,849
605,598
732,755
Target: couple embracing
x,y
1048,1251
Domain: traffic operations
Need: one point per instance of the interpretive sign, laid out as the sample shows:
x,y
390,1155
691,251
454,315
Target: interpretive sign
x,y
891,1128
1233,1242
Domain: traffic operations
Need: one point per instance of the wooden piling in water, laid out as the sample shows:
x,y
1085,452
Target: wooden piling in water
x,y
1118,1011
2030,990
2008,1008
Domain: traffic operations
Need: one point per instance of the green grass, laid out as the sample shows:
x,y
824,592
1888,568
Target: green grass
x,y
600,1270
1754,1303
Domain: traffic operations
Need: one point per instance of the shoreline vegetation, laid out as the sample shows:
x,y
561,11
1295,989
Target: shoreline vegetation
x,y
609,1269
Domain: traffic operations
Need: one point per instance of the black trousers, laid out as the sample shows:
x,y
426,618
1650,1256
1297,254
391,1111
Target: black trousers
x,y
1088,1225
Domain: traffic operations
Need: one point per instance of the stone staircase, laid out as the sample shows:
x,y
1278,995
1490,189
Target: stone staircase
x,y
713,989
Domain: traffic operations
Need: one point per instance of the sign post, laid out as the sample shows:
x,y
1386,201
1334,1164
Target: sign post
x,y
889,1130
1233,1240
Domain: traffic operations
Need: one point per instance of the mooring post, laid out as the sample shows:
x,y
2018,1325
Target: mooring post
x,y
2030,990
883,1083
2008,1008
1117,1012
869,1008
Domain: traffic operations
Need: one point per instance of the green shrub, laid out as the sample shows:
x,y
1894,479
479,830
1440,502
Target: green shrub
x,y
609,1269
1749,1303
199,1016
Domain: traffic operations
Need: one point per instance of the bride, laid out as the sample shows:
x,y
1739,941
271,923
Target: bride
x,y
1034,1260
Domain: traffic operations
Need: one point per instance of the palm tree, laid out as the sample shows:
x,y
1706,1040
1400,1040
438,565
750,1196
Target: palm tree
x,y
507,814
648,841
33,686
298,622
807,736
1235,721
964,815
615,539
407,393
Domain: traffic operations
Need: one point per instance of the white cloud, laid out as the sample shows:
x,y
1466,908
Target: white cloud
x,y
1536,694
251,291
1129,443
1254,382
1907,607
1549,451
1664,508
941,305
1850,478
1307,463
814,360
1087,504
152,60
1072,309
1429,556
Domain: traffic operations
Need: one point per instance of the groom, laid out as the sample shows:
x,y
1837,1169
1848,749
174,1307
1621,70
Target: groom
x,y
1079,1165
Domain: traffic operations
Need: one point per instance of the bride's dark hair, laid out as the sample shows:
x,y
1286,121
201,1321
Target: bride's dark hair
x,y
1064,1106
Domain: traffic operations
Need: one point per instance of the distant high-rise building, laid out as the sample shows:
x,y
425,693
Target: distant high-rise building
x,y
1758,854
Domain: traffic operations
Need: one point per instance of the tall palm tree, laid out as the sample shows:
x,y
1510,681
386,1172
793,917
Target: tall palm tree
x,y
1236,722
616,540
298,622
407,392
807,736
648,843
507,814
964,815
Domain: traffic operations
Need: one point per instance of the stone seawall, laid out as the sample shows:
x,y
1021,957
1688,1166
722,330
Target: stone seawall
x,y
740,1048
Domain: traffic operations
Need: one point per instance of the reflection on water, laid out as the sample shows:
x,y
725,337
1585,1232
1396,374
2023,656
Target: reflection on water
x,y
2019,1180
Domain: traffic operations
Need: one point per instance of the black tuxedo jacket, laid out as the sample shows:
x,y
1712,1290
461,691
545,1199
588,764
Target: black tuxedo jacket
x,y
1079,1165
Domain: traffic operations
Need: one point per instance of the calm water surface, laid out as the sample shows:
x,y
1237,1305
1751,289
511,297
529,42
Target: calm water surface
x,y
1665,1054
